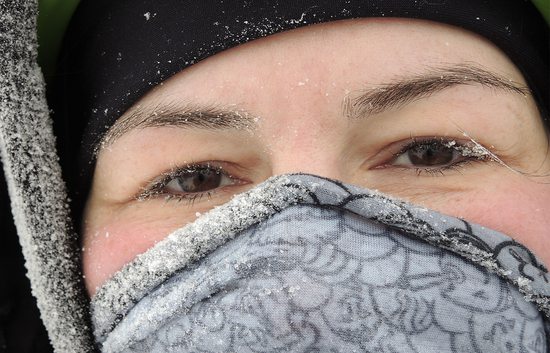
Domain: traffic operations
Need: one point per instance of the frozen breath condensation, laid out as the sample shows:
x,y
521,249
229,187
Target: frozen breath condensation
x,y
35,186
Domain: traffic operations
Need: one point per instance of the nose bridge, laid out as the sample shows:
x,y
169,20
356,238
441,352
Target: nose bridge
x,y
304,130
307,149
317,166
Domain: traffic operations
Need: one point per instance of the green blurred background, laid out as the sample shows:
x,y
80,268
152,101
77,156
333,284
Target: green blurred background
x,y
53,17
544,8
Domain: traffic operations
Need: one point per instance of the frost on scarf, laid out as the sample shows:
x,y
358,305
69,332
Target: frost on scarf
x,y
201,274
34,181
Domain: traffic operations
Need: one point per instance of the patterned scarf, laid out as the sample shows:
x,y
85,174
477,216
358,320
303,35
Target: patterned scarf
x,y
303,264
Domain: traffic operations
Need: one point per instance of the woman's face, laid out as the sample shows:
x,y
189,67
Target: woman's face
x,y
422,111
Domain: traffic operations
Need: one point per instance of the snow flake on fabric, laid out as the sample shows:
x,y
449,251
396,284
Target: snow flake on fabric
x,y
308,264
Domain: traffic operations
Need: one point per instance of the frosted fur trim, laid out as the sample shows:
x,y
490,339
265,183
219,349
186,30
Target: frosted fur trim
x,y
492,250
36,189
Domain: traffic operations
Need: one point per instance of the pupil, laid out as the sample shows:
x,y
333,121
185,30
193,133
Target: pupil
x,y
430,155
200,180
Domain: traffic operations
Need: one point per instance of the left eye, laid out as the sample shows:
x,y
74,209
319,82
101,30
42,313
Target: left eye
x,y
428,154
197,181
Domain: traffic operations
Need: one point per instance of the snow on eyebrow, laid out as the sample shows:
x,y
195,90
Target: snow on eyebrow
x,y
408,89
189,116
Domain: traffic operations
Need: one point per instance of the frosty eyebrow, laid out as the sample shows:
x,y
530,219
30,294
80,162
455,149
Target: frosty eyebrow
x,y
208,118
356,104
409,89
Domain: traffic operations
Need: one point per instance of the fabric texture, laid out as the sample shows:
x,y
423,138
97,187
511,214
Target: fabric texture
x,y
315,265
21,330
37,193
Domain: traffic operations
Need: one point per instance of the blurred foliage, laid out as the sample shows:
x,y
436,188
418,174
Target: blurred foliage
x,y
544,8
53,18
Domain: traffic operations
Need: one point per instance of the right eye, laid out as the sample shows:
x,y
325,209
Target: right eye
x,y
428,154
191,182
199,180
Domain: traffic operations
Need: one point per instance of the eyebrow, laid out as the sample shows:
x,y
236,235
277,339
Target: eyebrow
x,y
406,90
356,104
171,115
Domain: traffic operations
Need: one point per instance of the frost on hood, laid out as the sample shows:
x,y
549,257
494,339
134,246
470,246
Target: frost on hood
x,y
35,186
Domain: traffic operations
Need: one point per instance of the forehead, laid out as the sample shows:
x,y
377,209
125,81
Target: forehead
x,y
376,50
319,67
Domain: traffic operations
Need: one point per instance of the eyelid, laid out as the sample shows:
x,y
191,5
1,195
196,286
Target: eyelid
x,y
155,186
467,148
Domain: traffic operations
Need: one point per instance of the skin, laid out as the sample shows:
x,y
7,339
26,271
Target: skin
x,y
294,85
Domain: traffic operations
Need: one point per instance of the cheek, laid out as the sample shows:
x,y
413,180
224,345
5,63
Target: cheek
x,y
113,237
108,248
518,209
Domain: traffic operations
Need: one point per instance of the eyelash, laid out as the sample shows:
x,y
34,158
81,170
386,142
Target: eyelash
x,y
156,188
189,198
471,153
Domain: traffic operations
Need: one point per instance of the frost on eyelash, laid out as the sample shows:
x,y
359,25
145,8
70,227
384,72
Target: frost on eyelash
x,y
471,149
155,187
488,154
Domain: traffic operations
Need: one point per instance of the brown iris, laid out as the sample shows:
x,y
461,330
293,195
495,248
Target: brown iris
x,y
199,180
430,154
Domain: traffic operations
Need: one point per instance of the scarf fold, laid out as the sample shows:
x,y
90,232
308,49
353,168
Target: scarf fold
x,y
302,263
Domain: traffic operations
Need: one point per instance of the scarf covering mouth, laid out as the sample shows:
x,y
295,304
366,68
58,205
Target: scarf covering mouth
x,y
302,263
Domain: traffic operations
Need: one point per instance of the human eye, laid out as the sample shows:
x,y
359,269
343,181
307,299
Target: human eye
x,y
435,156
191,183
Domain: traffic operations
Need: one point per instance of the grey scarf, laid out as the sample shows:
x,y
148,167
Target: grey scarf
x,y
305,264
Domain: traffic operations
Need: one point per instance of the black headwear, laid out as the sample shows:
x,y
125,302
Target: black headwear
x,y
117,50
